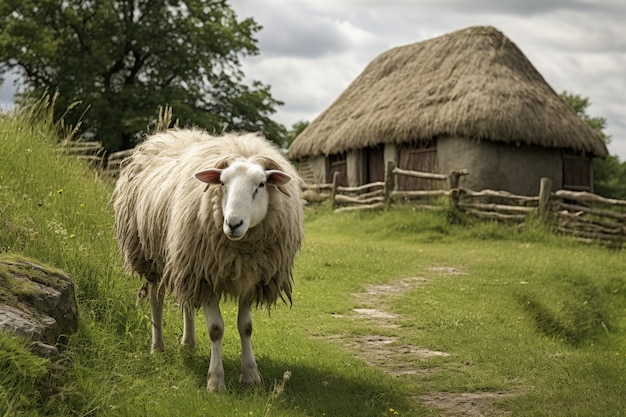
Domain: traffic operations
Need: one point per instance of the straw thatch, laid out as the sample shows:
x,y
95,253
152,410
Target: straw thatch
x,y
474,83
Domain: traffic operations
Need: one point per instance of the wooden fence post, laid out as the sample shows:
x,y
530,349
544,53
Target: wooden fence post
x,y
545,191
389,181
453,183
333,191
455,177
453,180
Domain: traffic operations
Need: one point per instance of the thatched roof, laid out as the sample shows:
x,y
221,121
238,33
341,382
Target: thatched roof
x,y
473,83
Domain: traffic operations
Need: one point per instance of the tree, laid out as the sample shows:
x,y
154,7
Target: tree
x,y
609,175
122,59
296,129
580,104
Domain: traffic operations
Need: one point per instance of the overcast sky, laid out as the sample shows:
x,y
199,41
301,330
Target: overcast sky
x,y
310,50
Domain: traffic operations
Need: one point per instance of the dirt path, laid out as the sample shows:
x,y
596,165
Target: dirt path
x,y
397,358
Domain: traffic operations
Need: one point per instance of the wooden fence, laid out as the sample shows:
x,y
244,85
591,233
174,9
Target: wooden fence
x,y
110,164
114,162
589,217
377,194
366,196
91,151
585,216
96,155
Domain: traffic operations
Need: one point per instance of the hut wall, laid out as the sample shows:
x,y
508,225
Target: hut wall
x,y
354,161
314,170
391,154
500,166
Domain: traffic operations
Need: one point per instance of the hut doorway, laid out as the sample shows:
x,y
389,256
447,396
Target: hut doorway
x,y
417,157
338,163
374,164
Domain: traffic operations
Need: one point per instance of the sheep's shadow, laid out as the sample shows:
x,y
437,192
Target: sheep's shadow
x,y
318,391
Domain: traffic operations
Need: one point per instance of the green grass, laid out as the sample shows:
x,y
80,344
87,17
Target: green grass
x,y
532,314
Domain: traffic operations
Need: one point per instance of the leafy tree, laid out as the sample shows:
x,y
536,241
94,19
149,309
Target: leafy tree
x,y
580,104
122,59
296,129
609,175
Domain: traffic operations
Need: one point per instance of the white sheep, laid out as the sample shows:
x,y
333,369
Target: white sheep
x,y
234,237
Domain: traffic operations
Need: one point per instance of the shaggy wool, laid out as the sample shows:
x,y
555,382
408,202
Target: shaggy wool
x,y
169,228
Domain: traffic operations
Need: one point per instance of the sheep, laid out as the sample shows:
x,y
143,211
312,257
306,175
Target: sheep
x,y
210,218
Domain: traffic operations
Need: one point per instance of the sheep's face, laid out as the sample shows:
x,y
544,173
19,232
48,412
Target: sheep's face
x,y
244,193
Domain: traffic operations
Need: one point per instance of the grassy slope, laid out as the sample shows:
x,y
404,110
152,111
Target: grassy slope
x,y
534,314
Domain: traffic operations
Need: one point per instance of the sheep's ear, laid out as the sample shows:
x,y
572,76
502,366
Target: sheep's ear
x,y
209,176
278,179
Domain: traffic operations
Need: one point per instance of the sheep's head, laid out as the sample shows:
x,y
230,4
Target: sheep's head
x,y
245,196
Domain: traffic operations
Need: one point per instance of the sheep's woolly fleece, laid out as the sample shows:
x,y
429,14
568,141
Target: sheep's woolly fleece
x,y
170,230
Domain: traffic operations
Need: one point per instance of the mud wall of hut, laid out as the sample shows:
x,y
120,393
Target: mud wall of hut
x,y
501,166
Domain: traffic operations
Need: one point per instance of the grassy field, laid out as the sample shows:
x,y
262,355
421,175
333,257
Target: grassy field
x,y
396,312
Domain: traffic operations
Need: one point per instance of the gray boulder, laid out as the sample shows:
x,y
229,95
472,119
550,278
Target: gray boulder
x,y
37,302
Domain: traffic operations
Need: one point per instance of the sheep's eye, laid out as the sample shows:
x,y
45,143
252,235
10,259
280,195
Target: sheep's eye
x,y
262,185
222,183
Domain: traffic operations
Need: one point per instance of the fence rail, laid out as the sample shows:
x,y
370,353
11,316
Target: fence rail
x,y
114,162
590,217
369,196
94,153
496,205
91,151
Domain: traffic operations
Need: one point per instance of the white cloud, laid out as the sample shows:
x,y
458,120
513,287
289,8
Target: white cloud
x,y
306,85
312,37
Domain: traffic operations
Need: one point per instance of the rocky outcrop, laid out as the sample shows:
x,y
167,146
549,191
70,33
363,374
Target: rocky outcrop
x,y
37,302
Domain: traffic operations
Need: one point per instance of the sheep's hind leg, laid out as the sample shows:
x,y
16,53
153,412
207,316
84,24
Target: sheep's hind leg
x,y
215,325
189,326
249,372
157,295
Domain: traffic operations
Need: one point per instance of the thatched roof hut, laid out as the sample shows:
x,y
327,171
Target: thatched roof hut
x,y
473,84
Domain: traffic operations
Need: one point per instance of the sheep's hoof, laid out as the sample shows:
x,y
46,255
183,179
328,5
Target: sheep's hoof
x,y
215,384
157,347
188,345
251,377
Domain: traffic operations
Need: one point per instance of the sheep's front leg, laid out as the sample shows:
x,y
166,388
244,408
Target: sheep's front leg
x,y
215,324
249,372
189,326
157,295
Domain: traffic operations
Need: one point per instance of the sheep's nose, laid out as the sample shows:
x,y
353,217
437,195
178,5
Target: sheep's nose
x,y
234,225
235,228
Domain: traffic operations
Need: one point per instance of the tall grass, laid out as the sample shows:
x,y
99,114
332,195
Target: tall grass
x,y
53,208
534,315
